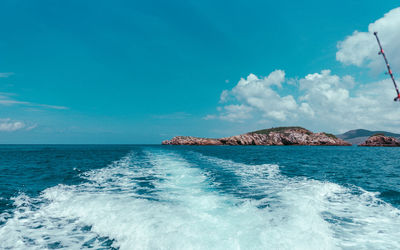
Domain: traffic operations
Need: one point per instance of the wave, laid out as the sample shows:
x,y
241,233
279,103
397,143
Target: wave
x,y
162,200
348,217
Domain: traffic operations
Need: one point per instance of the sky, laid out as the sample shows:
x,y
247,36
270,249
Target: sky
x,y
144,71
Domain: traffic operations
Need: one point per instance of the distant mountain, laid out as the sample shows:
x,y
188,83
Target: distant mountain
x,y
358,136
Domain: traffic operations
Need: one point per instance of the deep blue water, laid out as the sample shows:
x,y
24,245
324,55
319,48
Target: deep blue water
x,y
199,197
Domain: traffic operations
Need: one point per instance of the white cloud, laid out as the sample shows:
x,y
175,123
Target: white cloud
x,y
7,100
2,75
210,117
9,125
325,101
335,103
259,94
48,106
224,96
234,113
361,48
31,127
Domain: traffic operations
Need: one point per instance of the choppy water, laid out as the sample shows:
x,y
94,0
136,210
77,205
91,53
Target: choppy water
x,y
188,197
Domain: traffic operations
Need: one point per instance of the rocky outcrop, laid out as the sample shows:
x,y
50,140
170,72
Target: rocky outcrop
x,y
358,136
273,136
381,141
190,140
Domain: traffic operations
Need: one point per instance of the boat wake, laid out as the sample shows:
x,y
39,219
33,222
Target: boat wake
x,y
166,200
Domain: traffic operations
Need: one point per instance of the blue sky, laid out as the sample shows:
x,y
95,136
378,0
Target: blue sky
x,y
144,71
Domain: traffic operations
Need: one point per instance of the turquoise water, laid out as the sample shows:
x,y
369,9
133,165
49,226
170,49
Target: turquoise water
x,y
199,197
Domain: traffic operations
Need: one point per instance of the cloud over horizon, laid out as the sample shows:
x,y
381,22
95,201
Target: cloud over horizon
x,y
8,125
336,103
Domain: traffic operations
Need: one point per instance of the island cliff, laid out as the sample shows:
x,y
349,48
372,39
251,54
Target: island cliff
x,y
272,136
381,140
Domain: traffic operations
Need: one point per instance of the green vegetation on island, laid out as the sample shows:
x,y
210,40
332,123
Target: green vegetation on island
x,y
280,129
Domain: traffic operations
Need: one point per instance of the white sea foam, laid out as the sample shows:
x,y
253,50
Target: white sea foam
x,y
162,201
349,218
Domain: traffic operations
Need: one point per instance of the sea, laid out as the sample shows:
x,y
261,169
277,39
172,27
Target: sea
x,y
199,197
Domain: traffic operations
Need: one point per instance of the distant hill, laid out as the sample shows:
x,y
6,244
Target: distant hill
x,y
358,136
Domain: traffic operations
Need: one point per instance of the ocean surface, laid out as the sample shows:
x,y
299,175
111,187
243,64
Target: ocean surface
x,y
199,197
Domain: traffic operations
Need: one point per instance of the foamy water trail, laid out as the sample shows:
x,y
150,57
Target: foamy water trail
x,y
349,217
161,200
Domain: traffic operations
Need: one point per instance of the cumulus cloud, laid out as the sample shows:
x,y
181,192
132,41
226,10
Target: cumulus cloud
x,y
258,94
331,101
9,125
361,48
323,100
237,113
336,103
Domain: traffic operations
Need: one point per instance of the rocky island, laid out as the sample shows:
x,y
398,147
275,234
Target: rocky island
x,y
271,136
358,136
380,140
